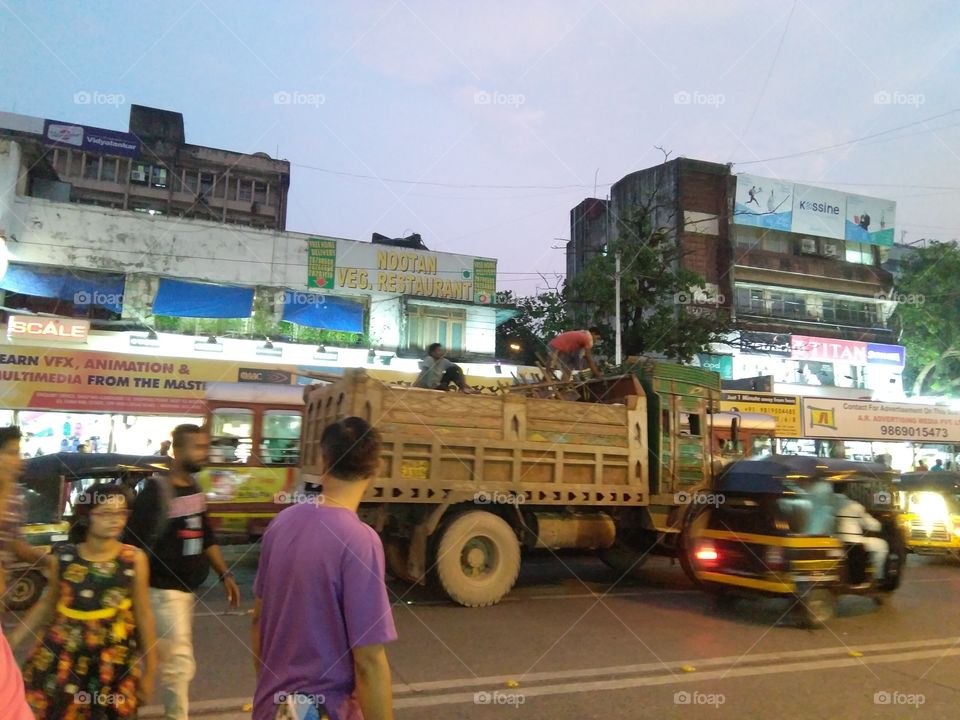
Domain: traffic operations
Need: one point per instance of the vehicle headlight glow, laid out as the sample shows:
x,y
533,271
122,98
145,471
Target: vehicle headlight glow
x,y
930,508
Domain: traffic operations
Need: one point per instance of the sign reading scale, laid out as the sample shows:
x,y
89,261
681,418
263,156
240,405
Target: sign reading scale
x,y
63,329
374,268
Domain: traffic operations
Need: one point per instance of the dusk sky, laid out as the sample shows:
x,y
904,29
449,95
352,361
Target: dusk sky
x,y
527,99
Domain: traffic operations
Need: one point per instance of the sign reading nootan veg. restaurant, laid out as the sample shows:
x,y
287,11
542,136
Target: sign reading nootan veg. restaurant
x,y
384,269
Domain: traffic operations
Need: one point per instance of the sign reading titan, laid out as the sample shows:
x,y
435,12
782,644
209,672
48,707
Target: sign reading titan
x,y
66,330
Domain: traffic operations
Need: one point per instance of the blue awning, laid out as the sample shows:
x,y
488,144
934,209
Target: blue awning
x,y
322,311
76,286
177,298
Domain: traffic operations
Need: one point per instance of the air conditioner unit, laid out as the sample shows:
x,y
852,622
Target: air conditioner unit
x,y
808,246
138,175
831,251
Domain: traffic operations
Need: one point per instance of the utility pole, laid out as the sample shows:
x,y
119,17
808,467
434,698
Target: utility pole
x,y
618,355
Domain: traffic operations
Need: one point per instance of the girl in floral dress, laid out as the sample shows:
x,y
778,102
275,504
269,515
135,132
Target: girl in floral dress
x,y
96,621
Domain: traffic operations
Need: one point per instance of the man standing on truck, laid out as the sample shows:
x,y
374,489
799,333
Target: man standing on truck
x,y
169,521
436,372
567,349
322,615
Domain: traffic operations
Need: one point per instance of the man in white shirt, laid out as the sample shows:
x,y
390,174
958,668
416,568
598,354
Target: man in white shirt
x,y
852,521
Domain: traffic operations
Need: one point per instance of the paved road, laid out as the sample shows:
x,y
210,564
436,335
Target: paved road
x,y
571,641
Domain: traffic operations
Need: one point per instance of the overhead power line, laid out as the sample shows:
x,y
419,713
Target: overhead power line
x,y
845,143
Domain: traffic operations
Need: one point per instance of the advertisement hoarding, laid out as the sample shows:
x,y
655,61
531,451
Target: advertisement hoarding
x,y
785,409
808,210
864,420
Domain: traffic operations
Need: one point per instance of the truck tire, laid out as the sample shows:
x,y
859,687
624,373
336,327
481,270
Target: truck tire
x,y
477,558
24,590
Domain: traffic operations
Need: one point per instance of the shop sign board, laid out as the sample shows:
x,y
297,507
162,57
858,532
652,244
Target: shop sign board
x,y
369,267
866,420
785,409
61,329
804,347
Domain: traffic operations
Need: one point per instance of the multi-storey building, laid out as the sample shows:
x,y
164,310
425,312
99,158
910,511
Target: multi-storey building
x,y
149,169
799,269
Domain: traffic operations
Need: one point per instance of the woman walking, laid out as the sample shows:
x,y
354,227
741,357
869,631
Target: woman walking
x,y
96,621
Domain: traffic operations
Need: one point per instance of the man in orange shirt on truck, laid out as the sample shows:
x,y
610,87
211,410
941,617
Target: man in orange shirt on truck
x,y
567,348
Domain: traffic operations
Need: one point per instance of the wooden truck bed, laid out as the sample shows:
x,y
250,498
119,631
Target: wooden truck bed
x,y
442,447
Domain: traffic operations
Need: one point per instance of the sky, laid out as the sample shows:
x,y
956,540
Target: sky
x,y
500,116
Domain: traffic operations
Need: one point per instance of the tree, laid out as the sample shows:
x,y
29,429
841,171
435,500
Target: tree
x,y
663,306
926,317
539,318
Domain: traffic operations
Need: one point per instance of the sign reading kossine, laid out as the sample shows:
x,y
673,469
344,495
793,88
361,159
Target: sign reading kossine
x,y
441,276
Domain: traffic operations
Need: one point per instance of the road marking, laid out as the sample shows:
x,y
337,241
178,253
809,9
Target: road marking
x,y
625,683
419,694
668,666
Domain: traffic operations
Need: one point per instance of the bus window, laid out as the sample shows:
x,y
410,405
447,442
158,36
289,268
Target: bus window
x,y
281,437
231,435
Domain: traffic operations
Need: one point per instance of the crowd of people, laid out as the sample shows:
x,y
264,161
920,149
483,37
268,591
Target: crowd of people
x,y
117,615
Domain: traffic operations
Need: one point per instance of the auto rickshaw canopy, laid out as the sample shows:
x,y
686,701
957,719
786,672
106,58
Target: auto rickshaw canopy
x,y
781,474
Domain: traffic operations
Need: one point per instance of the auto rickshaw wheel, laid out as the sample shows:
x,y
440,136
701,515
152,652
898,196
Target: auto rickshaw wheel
x,y
819,607
685,545
24,590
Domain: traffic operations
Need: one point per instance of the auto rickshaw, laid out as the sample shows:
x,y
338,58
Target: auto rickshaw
x,y
931,512
765,528
51,485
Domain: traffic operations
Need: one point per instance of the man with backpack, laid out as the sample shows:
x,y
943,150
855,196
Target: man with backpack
x,y
169,521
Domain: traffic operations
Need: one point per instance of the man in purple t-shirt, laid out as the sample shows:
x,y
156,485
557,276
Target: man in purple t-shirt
x,y
322,614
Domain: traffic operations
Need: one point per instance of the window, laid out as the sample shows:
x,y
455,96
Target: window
x,y
281,437
108,170
231,435
60,161
860,253
190,182
260,193
246,191
690,424
140,173
206,184
271,196
159,177
427,325
220,186
91,167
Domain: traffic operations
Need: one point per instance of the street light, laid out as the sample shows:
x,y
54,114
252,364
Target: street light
x,y
617,353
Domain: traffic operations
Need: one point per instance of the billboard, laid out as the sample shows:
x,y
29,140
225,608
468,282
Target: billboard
x,y
97,140
75,380
864,420
785,409
763,202
807,210
369,267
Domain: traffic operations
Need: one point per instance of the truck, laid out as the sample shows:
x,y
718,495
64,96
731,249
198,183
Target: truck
x,y
469,483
